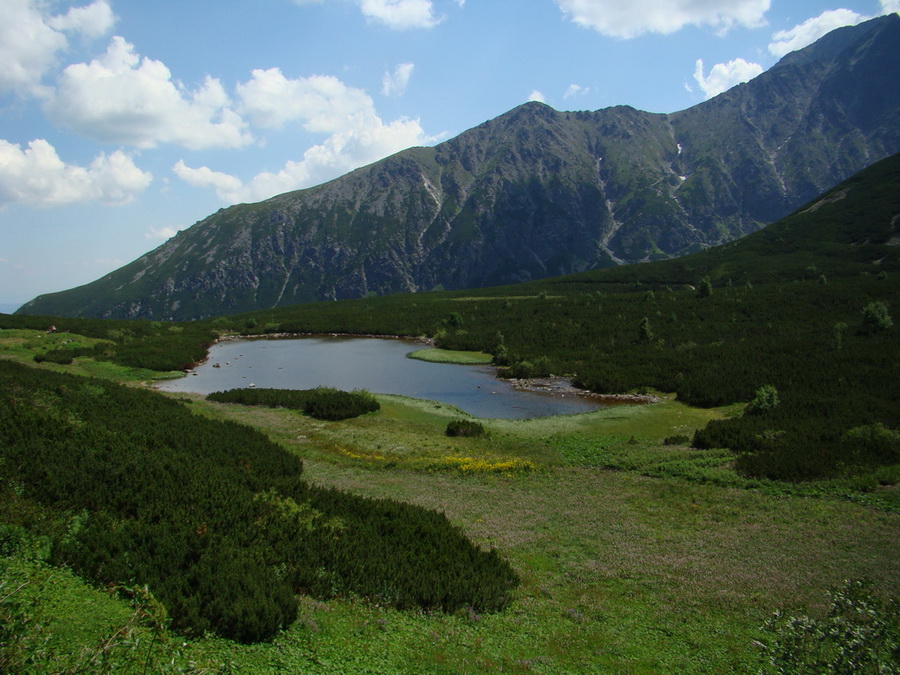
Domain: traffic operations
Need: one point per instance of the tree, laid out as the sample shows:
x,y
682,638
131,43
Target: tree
x,y
766,399
705,289
876,318
860,634
840,328
644,332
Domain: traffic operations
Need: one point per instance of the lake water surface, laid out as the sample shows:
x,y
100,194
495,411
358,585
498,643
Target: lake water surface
x,y
377,365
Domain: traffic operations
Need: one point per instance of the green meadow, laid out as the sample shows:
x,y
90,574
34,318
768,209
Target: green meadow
x,y
634,556
713,530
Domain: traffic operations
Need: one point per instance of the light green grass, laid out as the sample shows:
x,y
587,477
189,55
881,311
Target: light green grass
x,y
22,345
435,355
667,563
621,573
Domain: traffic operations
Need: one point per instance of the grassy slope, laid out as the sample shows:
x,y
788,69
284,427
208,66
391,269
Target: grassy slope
x,y
667,564
622,572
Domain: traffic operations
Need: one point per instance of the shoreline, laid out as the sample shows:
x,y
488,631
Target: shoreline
x,y
553,385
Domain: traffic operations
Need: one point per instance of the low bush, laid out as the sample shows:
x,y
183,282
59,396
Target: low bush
x,y
130,487
860,634
323,403
465,428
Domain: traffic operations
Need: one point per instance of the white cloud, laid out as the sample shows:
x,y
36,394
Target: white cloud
x,y
356,135
205,177
394,84
39,177
890,6
630,19
322,102
94,21
724,76
537,96
30,41
161,233
575,90
28,47
400,14
809,31
123,98
365,139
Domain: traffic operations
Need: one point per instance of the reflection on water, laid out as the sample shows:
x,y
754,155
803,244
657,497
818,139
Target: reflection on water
x,y
377,365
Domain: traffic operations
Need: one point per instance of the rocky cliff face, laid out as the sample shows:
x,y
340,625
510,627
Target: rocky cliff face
x,y
534,193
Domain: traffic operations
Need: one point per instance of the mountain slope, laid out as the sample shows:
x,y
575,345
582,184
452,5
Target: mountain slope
x,y
534,193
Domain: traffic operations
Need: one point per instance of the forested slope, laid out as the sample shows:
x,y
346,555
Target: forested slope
x,y
131,488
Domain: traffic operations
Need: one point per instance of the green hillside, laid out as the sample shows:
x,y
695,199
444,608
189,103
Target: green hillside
x,y
656,538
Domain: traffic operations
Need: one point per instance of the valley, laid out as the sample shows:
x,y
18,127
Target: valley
x,y
650,538
745,519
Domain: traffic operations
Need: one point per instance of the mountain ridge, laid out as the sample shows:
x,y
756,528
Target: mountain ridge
x,y
534,193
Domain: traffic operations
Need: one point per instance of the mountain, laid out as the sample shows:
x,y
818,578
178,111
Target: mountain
x,y
534,193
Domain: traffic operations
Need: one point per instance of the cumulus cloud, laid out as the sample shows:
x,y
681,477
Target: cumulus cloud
x,y
575,90
223,183
123,98
809,31
321,102
724,76
30,41
94,21
364,140
630,19
356,135
37,176
804,34
538,96
400,14
394,84
162,233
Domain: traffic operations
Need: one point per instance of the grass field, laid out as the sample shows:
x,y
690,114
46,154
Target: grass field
x,y
22,345
450,356
635,556
622,572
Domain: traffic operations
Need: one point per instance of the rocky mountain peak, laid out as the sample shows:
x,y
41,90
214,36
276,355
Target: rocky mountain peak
x,y
533,193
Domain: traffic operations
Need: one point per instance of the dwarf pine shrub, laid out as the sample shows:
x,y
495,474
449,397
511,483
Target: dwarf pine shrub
x,y
465,428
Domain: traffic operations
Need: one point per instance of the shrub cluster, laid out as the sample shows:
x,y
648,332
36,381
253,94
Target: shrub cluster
x,y
323,403
859,634
716,328
465,428
154,345
133,488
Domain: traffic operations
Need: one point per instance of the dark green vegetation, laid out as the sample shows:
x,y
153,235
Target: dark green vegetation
x,y
671,563
534,193
131,487
801,309
860,634
149,345
323,403
465,428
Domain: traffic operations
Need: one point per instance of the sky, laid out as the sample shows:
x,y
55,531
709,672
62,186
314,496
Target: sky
x,y
124,121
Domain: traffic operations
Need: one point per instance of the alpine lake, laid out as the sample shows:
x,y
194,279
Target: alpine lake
x,y
377,365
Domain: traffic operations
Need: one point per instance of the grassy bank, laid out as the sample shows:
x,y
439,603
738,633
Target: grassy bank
x,y
451,356
622,572
635,555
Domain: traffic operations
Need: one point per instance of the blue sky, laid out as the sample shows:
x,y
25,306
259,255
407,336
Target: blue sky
x,y
123,121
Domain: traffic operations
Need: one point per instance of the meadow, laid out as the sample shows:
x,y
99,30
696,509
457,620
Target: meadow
x,y
639,538
628,563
